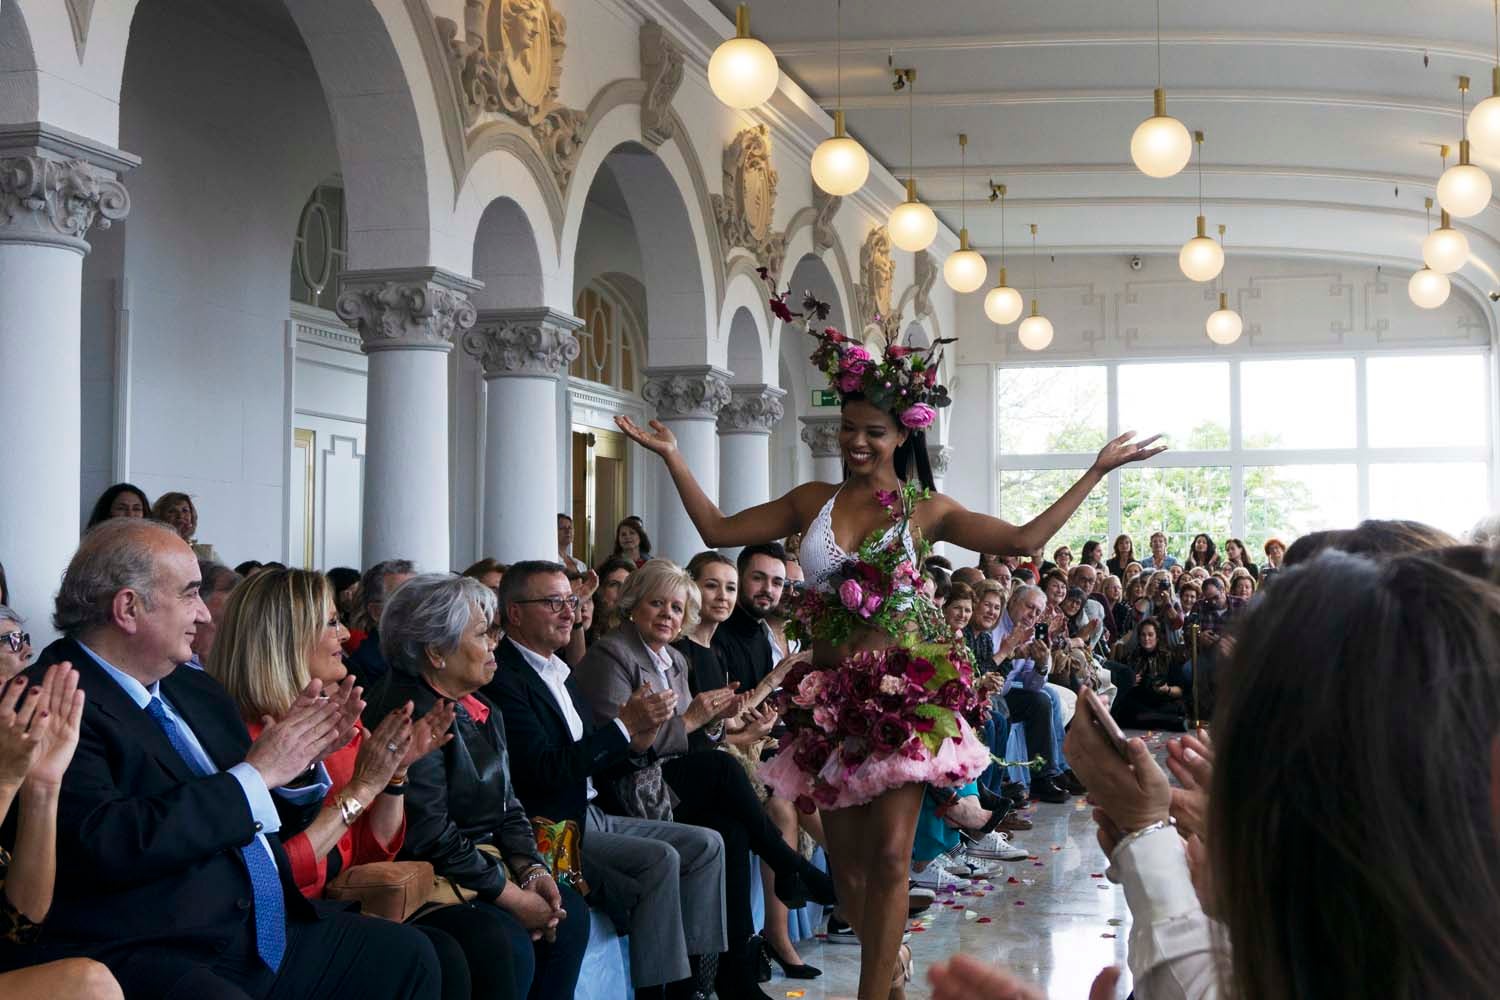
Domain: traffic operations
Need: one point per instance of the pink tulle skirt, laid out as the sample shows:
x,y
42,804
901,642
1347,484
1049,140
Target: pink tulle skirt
x,y
837,785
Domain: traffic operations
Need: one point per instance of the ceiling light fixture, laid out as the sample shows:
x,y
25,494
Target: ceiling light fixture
x,y
1224,324
1484,120
1002,304
840,165
743,72
1464,189
1427,288
1161,146
1201,259
1035,331
1445,249
912,225
964,270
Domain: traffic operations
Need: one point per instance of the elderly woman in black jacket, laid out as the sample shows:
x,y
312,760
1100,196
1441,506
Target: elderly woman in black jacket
x,y
463,816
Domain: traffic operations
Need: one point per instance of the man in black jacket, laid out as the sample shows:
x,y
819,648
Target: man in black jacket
x,y
743,642
668,876
169,869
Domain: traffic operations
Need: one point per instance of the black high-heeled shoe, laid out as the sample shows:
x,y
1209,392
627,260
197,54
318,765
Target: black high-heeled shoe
x,y
803,971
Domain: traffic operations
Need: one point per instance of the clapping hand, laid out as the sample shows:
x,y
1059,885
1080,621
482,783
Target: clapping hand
x,y
1132,793
349,700
661,441
754,723
1122,451
1191,761
290,745
965,978
381,754
432,731
585,586
643,714
56,725
712,705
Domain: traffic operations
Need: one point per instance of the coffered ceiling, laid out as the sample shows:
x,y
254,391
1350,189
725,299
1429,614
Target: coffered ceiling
x,y
1322,117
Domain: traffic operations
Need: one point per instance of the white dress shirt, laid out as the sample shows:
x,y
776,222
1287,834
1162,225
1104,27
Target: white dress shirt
x,y
554,674
1172,954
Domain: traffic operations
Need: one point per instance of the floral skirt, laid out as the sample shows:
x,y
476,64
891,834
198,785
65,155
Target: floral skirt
x,y
879,720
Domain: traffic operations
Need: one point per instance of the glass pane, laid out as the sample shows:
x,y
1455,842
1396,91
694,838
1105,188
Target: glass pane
x,y
1307,403
1025,493
1178,502
1048,410
1287,501
1448,495
1187,404
1402,392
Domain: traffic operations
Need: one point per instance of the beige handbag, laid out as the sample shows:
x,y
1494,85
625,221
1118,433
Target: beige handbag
x,y
391,889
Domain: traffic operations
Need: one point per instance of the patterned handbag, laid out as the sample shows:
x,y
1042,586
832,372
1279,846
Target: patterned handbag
x,y
558,843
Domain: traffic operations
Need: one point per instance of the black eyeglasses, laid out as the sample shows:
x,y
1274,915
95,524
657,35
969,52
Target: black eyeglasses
x,y
15,640
554,604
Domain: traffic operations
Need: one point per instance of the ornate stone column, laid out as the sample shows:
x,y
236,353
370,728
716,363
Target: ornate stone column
x,y
938,456
821,434
54,187
407,318
745,425
523,352
688,401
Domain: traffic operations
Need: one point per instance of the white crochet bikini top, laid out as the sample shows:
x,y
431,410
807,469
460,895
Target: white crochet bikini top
x,y
821,555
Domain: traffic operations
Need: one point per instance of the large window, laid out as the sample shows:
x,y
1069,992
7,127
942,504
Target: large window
x,y
1259,448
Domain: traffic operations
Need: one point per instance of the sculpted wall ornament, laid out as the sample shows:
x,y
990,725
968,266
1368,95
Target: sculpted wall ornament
x,y
877,273
752,409
821,434
527,342
508,60
422,308
52,200
661,70
926,275
686,392
825,207
938,457
748,205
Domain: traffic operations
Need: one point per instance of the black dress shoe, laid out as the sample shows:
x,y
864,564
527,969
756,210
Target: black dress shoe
x,y
760,957
1070,781
796,888
790,971
1048,790
1015,791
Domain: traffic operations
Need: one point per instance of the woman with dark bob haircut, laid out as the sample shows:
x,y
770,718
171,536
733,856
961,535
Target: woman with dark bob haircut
x,y
120,500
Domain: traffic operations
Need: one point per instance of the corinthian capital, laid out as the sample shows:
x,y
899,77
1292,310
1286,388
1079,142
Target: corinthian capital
x,y
56,186
938,457
752,409
687,393
528,342
419,308
821,434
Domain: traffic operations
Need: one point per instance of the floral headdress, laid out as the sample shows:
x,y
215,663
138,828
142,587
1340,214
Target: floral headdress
x,y
902,382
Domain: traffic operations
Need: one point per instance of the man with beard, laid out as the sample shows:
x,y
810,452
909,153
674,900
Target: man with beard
x,y
744,642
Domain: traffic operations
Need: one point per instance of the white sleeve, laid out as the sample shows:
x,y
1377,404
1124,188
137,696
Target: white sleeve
x,y
1172,952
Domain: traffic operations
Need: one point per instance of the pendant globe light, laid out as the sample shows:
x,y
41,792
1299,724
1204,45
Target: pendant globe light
x,y
1224,324
1035,331
1161,146
1003,304
1484,120
1445,249
1201,259
840,165
742,71
964,270
912,225
1463,190
1427,288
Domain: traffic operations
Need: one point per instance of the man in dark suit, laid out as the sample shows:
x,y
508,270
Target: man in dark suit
x,y
668,876
170,871
743,642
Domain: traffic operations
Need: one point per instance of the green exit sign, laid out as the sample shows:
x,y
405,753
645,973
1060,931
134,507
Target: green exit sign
x,y
825,397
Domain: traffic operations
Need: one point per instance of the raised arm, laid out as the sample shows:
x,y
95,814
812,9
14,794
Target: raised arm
x,y
763,523
983,533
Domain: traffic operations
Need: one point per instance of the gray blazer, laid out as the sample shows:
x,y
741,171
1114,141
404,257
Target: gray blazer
x,y
619,663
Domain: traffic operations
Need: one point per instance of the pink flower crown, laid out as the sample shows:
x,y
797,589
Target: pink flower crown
x,y
903,382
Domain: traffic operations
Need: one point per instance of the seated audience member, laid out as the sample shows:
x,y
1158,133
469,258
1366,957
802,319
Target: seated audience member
x,y
667,878
1241,587
120,500
345,582
781,612
565,545
970,575
367,663
631,542
941,562
1275,550
744,642
15,645
1202,552
1119,616
1154,699
1236,556
936,583
987,565
462,813
613,573
1092,555
488,572
1124,555
1062,558
1023,574
217,582
707,788
584,584
959,608
249,568
1085,578
178,511
170,870
38,735
278,633
1158,559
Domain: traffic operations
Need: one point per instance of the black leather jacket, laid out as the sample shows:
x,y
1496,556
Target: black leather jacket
x,y
460,796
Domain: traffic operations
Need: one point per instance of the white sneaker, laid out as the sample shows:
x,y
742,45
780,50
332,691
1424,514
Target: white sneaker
x,y
938,878
996,845
958,862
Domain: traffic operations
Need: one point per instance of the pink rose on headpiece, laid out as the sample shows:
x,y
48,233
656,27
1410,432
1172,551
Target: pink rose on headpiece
x,y
856,353
851,594
849,381
918,416
872,605
833,335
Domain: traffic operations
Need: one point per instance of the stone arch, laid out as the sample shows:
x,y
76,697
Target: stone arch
x,y
744,314
743,348
915,335
508,257
841,281
17,68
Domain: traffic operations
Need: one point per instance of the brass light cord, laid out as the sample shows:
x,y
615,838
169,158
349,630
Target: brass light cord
x,y
1158,44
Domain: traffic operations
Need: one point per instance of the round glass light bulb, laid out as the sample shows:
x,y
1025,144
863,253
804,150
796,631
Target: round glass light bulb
x,y
1429,289
743,72
912,226
1224,326
1003,304
1463,190
1035,333
1161,146
1445,250
1201,259
1484,128
840,165
965,271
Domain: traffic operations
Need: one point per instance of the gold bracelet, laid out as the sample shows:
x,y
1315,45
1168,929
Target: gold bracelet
x,y
349,809
397,780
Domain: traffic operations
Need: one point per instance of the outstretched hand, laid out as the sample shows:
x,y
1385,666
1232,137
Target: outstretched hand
x,y
1122,451
659,439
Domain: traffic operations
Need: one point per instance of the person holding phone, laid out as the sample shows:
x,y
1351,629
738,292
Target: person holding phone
x,y
1154,699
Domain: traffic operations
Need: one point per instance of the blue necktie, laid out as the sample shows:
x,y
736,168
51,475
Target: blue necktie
x,y
270,908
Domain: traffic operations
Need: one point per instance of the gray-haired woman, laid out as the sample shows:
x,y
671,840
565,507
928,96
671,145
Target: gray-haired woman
x,y
15,645
435,634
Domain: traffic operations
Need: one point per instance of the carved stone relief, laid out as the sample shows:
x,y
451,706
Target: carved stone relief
x,y
686,393
825,207
821,434
661,70
938,458
747,207
926,274
421,308
526,342
755,408
877,273
54,200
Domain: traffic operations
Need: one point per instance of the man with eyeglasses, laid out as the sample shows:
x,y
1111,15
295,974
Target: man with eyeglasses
x,y
668,877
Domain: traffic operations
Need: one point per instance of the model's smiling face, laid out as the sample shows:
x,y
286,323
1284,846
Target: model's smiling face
x,y
868,437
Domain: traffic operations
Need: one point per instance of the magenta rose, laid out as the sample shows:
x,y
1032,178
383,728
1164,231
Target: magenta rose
x,y
920,670
952,695
856,353
918,416
871,605
849,381
851,594
826,719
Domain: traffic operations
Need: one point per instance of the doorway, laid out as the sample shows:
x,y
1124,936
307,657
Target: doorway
x,y
599,486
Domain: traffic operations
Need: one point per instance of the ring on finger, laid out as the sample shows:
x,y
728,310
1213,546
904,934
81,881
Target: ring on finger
x,y
392,748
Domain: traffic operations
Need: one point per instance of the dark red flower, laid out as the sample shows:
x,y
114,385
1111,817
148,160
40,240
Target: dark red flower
x,y
782,310
896,351
890,733
920,670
